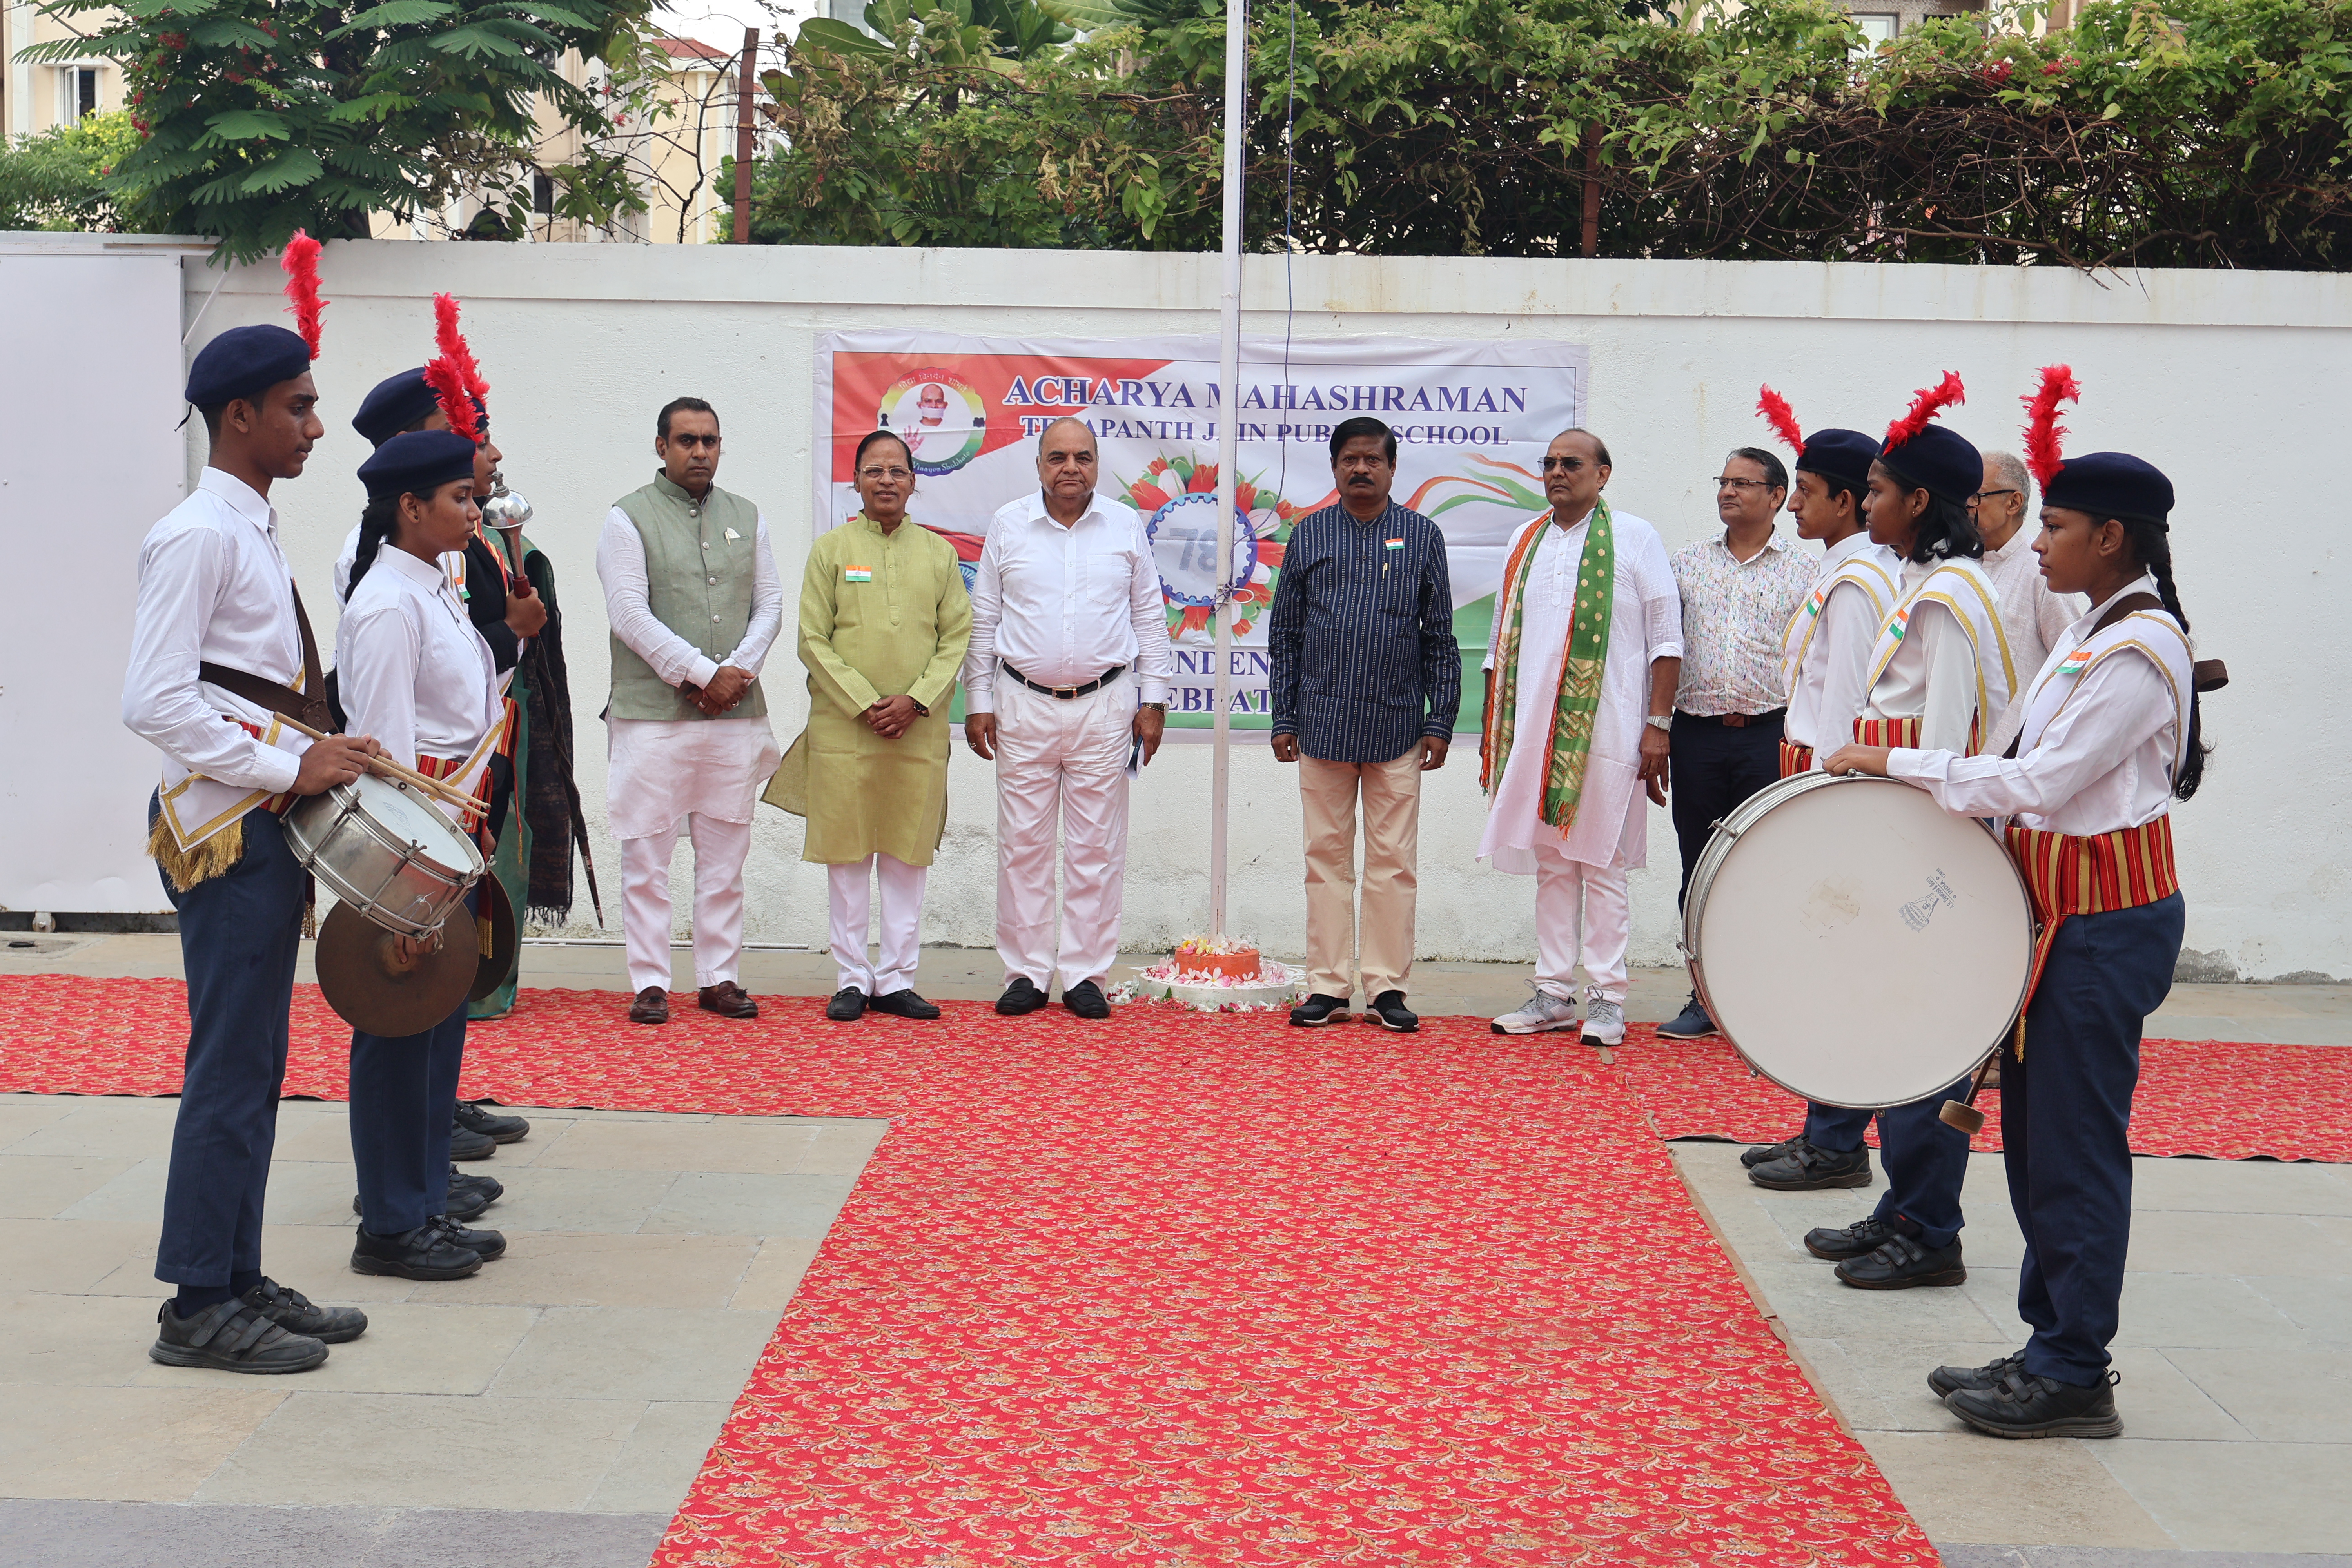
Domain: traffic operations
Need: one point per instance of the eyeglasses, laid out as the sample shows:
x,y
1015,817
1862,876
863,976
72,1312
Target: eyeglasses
x,y
1563,465
1988,495
1726,482
878,475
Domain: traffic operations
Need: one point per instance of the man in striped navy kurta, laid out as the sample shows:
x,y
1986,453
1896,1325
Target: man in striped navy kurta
x,y
1367,680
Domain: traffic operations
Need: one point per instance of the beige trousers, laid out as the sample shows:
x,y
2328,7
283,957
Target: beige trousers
x,y
1339,947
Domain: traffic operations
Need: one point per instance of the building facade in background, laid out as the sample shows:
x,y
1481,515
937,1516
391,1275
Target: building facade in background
x,y
36,97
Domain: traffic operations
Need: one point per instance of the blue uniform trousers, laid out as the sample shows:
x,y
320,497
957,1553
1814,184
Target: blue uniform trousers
x,y
401,1094
239,934
2065,1118
1924,1159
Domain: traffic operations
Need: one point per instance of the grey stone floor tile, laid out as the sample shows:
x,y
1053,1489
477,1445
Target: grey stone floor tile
x,y
559,1268
312,1192
64,1341
1808,1297
60,1534
409,1348
2238,1497
67,1256
636,1352
2202,1311
110,1129
611,1202
22,1115
1959,1486
1962,1556
775,1273
661,1458
2322,1309
151,1445
2294,1246
711,1204
2279,1395
2242,1186
398,1450
764,1150
62,1186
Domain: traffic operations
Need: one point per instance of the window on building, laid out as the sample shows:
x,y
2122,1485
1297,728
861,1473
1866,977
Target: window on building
x,y
542,193
1878,27
76,93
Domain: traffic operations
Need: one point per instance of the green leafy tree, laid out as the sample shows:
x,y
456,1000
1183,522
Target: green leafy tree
x,y
259,117
57,180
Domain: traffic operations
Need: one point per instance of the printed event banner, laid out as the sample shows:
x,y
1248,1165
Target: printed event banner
x,y
1472,421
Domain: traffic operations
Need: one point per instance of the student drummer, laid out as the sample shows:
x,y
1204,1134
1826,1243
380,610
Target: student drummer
x,y
1938,674
2109,739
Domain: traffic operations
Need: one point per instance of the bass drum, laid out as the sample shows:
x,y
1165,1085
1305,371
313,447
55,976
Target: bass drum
x,y
1856,942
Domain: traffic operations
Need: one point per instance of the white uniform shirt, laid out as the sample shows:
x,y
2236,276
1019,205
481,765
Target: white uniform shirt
x,y
1933,677
452,564
1645,624
664,770
2032,616
2103,761
1063,604
412,673
213,587
1830,686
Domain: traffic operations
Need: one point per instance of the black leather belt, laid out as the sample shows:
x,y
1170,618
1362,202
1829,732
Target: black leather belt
x,y
1733,720
1067,692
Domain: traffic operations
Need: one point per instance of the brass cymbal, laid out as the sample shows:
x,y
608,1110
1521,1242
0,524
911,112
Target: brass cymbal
x,y
363,980
495,929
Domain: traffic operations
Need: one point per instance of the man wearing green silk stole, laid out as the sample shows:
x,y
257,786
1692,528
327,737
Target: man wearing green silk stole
x,y
1579,695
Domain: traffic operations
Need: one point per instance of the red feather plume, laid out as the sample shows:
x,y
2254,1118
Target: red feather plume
x,y
456,379
1782,418
301,266
1930,402
2043,434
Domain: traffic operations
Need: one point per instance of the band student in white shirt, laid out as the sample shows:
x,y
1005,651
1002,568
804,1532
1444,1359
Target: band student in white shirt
x,y
1068,673
2110,738
2032,617
691,589
415,673
217,600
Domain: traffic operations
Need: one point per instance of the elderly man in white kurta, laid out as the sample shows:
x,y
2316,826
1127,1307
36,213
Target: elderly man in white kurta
x,y
1581,680
1068,674
2032,617
691,588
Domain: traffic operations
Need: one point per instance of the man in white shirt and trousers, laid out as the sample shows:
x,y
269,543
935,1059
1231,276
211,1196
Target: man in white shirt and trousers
x,y
1578,822
2032,616
691,589
1068,677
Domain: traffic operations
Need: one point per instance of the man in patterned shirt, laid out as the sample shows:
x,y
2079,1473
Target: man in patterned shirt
x,y
1739,587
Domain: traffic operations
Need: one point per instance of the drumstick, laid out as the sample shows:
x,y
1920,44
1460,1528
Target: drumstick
x,y
385,767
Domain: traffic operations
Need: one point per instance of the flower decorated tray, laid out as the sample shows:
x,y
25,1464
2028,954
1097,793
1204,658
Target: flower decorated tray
x,y
1216,959
1269,985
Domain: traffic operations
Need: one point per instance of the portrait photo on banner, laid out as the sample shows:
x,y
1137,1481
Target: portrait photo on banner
x,y
1471,421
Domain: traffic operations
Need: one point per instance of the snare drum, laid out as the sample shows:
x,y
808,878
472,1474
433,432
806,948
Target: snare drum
x,y
1857,944
386,851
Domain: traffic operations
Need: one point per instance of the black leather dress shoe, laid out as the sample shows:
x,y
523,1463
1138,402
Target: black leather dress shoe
x,y
1947,1381
1864,1236
2023,1406
1903,1262
467,1144
1021,996
231,1337
905,1004
849,1005
1086,1000
1763,1154
1691,1024
489,1244
1809,1168
1389,1008
425,1253
651,1007
1318,1010
298,1314
497,1129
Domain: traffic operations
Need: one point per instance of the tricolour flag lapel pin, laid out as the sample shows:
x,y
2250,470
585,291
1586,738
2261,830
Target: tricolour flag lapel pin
x,y
1396,544
856,574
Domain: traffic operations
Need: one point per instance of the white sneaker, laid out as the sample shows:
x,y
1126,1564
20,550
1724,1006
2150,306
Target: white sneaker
x,y
1543,1013
1605,1021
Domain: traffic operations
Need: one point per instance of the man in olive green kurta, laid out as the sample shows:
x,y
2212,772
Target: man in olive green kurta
x,y
884,620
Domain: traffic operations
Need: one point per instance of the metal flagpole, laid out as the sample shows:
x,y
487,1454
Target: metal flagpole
x,y
1229,366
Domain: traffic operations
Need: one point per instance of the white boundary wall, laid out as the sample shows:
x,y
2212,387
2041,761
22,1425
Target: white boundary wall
x,y
2231,382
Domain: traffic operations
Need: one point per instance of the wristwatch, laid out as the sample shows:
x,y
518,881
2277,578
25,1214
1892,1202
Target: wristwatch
x,y
1661,721
1155,707
921,711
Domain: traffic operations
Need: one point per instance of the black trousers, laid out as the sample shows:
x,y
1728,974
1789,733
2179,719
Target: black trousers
x,y
1716,767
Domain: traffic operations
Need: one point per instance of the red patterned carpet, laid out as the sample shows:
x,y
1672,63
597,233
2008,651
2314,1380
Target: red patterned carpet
x,y
1176,1290
2218,1100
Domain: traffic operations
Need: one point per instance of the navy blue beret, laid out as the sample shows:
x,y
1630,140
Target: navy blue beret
x,y
396,403
417,463
1940,461
245,362
1841,454
2111,484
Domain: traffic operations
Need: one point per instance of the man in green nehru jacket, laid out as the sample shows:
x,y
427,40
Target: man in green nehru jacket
x,y
691,590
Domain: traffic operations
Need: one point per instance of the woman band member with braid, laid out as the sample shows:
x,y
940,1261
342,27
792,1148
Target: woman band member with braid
x,y
2110,738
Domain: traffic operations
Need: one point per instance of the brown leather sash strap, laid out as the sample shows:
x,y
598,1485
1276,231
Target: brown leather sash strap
x,y
311,709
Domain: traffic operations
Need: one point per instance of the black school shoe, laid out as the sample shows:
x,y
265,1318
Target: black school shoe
x,y
849,1005
1318,1010
298,1314
905,1004
1019,997
489,1245
1691,1024
1389,1009
1809,1168
465,1144
1860,1239
473,1118
1903,1262
425,1253
2023,1406
231,1337
468,1196
1947,1381
1085,999
1763,1154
